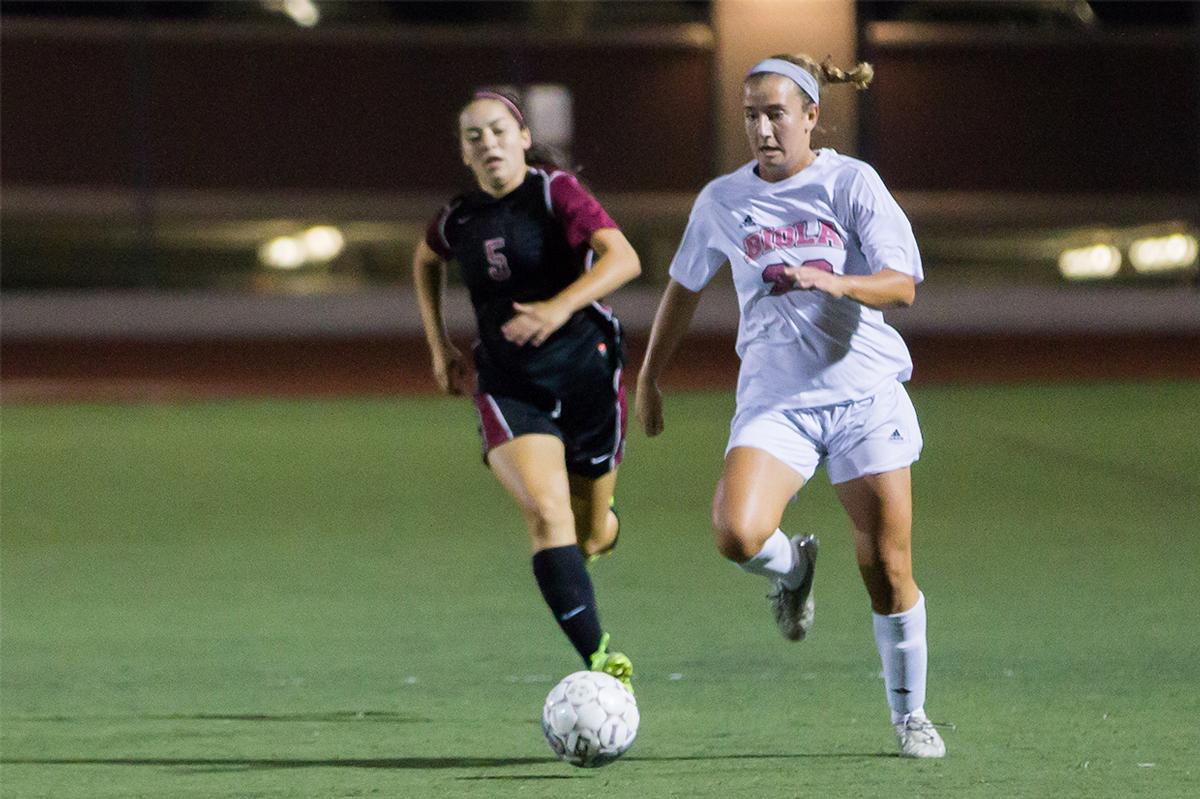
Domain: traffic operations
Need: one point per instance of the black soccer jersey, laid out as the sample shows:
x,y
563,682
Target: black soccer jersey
x,y
524,247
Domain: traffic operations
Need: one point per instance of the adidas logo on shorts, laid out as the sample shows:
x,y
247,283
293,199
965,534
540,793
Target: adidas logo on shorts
x,y
896,435
747,222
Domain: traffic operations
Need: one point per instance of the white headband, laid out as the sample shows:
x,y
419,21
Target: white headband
x,y
802,77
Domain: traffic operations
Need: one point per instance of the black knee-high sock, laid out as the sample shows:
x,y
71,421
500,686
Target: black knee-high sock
x,y
567,589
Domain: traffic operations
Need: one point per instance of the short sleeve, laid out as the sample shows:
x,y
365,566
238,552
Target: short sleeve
x,y
883,231
696,260
579,212
435,234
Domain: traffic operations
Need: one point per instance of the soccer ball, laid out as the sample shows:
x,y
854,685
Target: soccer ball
x,y
590,719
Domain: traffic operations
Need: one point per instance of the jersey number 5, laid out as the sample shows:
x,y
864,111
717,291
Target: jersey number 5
x,y
497,263
783,284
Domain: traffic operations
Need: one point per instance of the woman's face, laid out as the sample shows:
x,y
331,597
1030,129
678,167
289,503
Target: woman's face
x,y
493,145
778,126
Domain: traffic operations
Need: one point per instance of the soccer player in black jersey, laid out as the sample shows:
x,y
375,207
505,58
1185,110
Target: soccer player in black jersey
x,y
537,252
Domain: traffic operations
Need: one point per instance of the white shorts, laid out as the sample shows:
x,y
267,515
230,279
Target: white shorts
x,y
868,436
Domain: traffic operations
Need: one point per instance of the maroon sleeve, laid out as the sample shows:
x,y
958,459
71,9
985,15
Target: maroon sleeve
x,y
435,234
580,213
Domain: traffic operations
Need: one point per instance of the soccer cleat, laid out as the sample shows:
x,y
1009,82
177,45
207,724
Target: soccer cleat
x,y
794,607
608,550
918,737
614,664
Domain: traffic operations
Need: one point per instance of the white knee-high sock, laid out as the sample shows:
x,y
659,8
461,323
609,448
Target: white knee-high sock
x,y
900,638
778,561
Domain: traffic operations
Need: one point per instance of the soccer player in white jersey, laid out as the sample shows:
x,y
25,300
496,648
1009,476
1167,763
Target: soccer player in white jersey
x,y
817,246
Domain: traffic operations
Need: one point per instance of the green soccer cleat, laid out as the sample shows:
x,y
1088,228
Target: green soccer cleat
x,y
608,550
614,664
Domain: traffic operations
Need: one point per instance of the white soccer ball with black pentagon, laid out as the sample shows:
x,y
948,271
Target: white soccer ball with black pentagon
x,y
590,719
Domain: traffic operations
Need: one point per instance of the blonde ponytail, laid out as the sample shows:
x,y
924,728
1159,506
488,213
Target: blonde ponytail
x,y
860,77
825,72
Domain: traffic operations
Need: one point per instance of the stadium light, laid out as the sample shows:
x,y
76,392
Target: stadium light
x,y
319,244
284,252
303,12
1096,262
323,242
1163,253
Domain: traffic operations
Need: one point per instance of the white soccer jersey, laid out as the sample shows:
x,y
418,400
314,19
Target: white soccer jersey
x,y
803,349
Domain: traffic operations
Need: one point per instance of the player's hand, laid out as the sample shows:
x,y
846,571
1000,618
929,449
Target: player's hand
x,y
649,406
809,279
534,322
450,370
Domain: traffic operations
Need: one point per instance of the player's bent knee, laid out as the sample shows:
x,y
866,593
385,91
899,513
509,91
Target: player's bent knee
x,y
896,565
547,513
891,590
738,542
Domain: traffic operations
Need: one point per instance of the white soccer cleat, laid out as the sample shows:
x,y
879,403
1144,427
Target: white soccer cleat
x,y
794,607
918,737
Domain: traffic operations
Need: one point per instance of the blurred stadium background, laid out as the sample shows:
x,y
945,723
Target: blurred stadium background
x,y
265,595
197,193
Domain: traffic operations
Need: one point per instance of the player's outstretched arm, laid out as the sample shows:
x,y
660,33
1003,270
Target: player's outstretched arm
x,y
616,264
675,312
884,289
429,278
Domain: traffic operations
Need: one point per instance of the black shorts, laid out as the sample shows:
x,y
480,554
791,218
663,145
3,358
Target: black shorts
x,y
586,412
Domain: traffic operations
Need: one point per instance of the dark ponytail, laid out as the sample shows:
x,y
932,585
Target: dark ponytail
x,y
546,157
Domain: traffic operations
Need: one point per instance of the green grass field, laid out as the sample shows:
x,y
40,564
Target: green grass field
x,y
328,599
